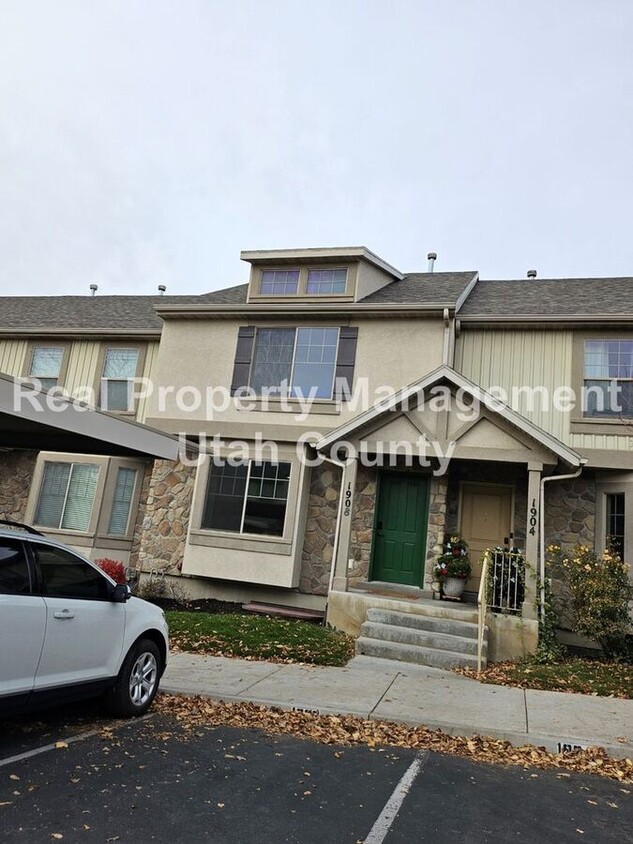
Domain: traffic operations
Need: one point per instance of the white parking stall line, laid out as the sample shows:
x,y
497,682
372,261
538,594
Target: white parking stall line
x,y
386,818
62,743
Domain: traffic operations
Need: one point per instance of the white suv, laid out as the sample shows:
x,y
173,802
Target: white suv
x,y
68,631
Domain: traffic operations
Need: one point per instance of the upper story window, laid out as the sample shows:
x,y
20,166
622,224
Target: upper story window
x,y
67,495
608,378
295,361
324,282
279,282
46,365
119,368
249,497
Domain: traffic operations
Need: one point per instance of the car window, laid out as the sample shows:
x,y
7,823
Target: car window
x,y
14,571
66,576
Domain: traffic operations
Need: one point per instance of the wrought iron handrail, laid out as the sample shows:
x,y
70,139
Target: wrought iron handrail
x,y
482,608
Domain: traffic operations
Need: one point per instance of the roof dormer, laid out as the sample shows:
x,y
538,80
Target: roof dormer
x,y
338,274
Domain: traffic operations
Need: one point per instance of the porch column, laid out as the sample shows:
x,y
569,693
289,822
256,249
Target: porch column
x,y
528,610
348,490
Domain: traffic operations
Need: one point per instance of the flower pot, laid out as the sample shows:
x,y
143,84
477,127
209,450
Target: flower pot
x,y
454,586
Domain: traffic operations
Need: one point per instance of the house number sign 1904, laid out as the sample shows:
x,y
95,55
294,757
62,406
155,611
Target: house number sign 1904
x,y
533,517
347,500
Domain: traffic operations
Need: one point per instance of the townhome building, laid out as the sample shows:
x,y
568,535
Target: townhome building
x,y
351,418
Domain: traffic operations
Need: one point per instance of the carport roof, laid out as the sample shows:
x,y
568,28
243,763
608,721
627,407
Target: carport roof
x,y
28,420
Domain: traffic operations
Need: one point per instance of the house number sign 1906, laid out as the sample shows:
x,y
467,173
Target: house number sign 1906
x,y
347,500
533,517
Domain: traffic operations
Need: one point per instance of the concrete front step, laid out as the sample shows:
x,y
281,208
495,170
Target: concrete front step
x,y
414,653
452,626
422,638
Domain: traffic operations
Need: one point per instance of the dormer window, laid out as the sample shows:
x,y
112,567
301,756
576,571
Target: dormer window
x,y
279,282
326,282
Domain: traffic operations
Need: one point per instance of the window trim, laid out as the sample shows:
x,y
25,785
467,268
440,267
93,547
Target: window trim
x,y
580,424
141,348
96,535
290,396
621,483
32,345
261,542
302,294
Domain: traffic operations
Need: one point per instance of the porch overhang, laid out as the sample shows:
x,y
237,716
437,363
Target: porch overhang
x,y
493,432
37,421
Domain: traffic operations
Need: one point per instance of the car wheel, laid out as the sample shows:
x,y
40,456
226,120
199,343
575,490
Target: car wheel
x,y
138,680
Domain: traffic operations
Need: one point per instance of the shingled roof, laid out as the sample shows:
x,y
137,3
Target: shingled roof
x,y
551,297
100,313
423,288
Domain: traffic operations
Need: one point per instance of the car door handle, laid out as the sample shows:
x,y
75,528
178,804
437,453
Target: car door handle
x,y
63,614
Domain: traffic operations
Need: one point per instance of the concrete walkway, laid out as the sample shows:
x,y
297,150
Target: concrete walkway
x,y
414,695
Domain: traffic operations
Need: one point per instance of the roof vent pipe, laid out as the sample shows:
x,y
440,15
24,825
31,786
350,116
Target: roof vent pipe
x,y
161,289
93,289
432,256
531,273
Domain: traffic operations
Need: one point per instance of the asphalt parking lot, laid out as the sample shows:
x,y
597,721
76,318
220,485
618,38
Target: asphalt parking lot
x,y
150,781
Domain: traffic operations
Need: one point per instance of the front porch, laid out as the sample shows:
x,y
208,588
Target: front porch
x,y
400,507
507,636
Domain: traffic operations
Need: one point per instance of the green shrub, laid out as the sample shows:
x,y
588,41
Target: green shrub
x,y
601,590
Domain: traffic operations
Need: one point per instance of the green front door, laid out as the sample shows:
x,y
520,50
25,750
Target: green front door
x,y
400,529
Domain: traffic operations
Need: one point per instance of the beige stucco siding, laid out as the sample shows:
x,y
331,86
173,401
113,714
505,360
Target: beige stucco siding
x,y
507,359
12,355
200,355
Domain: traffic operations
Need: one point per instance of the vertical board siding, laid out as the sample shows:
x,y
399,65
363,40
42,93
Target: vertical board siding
x,y
151,352
507,359
82,365
12,355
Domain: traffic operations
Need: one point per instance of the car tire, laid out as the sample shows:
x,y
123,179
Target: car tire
x,y
138,680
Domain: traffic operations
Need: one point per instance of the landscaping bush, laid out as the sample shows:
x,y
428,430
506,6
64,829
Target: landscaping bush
x,y
600,593
113,568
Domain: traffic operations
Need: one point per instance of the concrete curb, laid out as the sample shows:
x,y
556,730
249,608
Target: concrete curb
x,y
553,744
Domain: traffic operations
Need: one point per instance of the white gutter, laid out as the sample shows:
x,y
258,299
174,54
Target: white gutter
x,y
568,477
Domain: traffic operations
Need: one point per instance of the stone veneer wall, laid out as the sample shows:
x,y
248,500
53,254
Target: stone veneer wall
x,y
362,529
318,543
137,537
438,501
166,517
16,474
570,511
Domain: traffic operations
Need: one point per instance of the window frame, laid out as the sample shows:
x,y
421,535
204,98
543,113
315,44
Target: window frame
x,y
255,286
249,468
614,484
31,348
97,531
258,542
100,379
290,396
579,423
94,508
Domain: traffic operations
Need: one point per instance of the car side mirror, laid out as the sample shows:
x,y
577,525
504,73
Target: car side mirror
x,y
121,593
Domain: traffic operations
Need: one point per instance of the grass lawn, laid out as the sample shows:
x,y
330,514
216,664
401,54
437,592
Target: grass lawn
x,y
584,675
257,637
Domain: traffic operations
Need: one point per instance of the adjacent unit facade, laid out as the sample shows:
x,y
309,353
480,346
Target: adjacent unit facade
x,y
349,418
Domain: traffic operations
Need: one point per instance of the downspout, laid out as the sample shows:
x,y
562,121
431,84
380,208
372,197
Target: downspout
x,y
569,477
341,464
447,338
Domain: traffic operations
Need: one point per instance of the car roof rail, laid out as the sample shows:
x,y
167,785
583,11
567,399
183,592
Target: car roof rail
x,y
21,526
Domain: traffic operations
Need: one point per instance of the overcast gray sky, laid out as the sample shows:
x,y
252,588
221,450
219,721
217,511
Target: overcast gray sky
x,y
149,141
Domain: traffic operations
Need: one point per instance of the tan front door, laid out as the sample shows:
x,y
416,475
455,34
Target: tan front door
x,y
486,521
